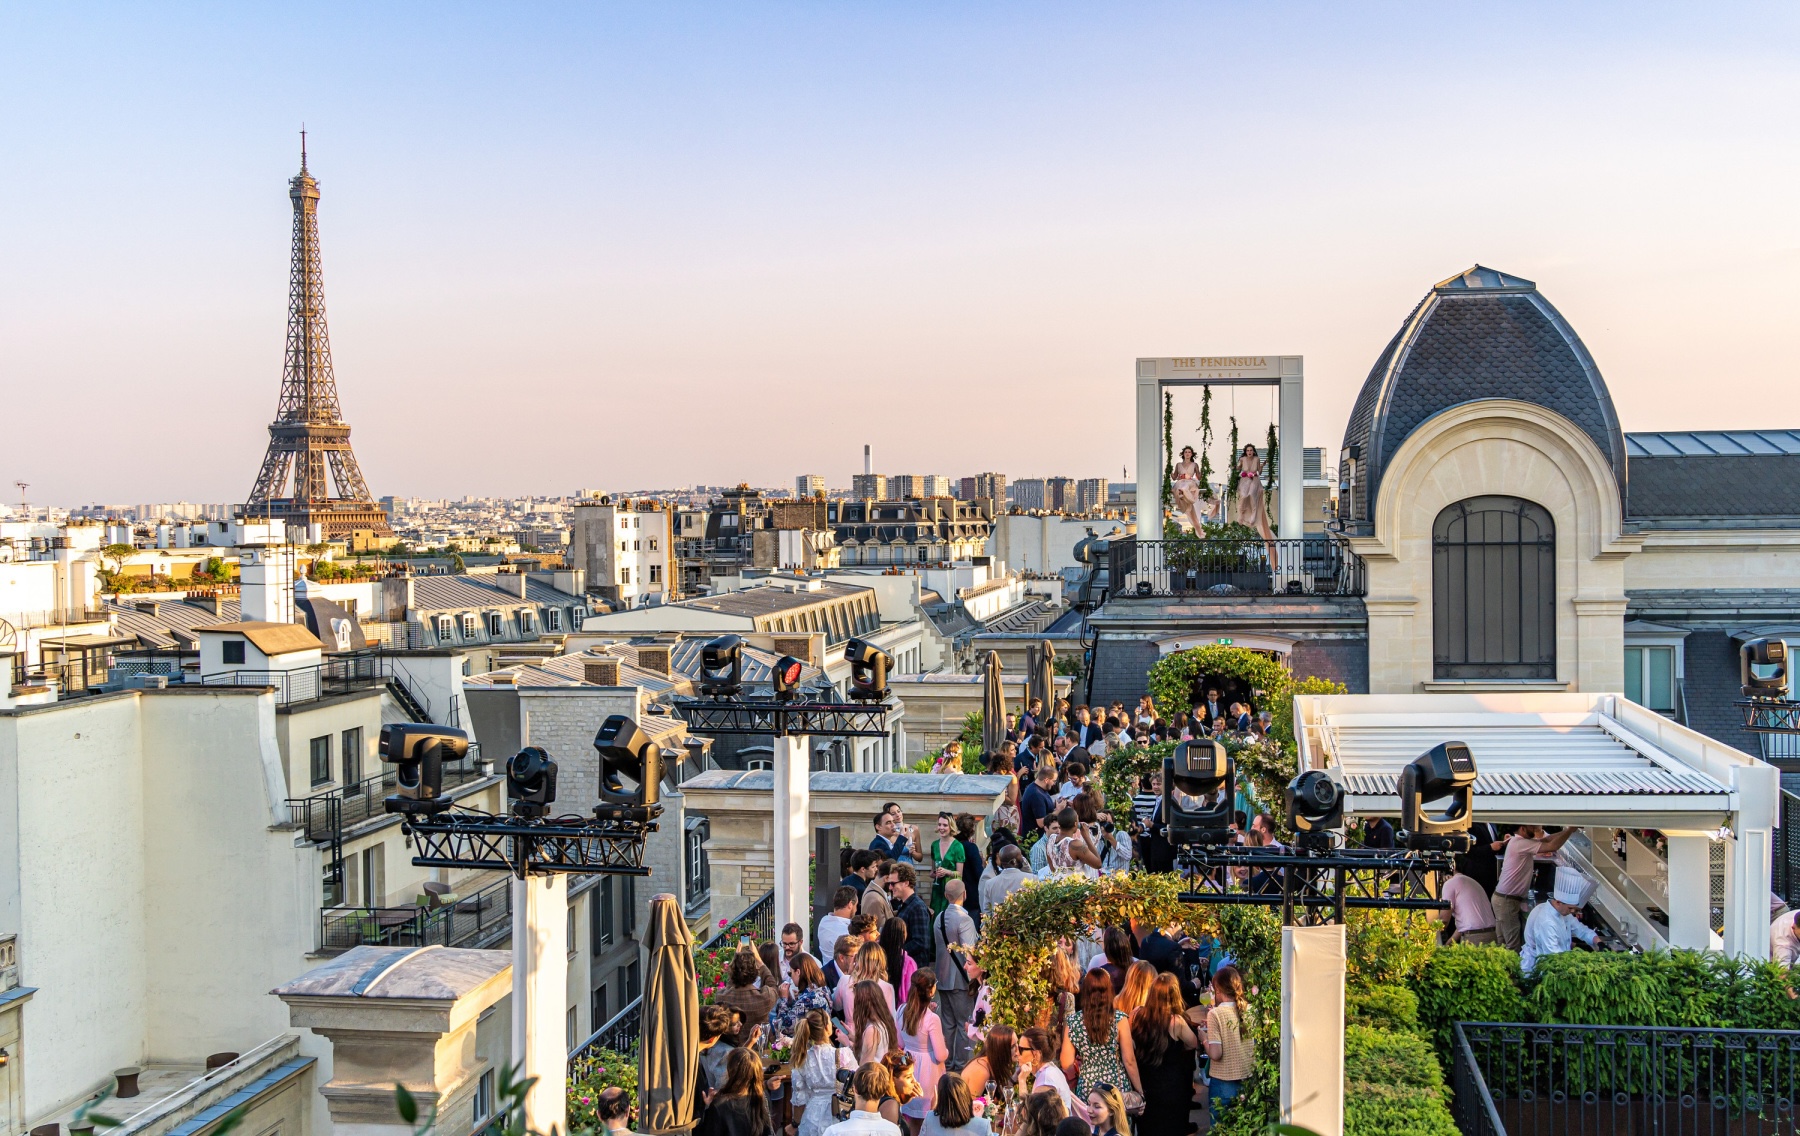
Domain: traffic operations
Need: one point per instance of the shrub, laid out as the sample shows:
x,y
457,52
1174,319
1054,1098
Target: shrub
x,y
1463,983
1382,1007
1387,947
1392,1087
591,1075
1121,768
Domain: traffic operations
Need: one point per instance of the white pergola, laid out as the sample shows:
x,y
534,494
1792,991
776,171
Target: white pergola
x,y
1154,376
1584,760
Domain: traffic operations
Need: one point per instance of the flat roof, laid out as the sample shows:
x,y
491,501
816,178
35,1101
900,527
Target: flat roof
x,y
1706,443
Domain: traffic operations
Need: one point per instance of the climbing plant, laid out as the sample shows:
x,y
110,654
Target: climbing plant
x,y
1171,679
1269,455
1206,438
1232,479
1168,481
1122,768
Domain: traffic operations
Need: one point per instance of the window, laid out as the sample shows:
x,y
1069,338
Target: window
x,y
637,522
600,916
333,881
496,624
527,622
570,932
652,544
374,876
622,545
630,905
696,863
352,743
484,1098
656,573
634,546
553,619
443,628
573,1025
233,651
624,575
1650,677
599,1008
468,626
321,760
1493,590
628,979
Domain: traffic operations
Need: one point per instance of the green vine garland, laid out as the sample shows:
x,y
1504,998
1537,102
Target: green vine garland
x,y
1269,464
1206,438
1168,482
1231,482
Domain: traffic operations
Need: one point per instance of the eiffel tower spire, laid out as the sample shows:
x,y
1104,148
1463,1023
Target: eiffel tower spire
x,y
309,435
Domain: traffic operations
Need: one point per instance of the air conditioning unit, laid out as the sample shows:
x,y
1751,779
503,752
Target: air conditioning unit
x,y
147,682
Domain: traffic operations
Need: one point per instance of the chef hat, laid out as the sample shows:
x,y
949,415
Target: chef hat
x,y
1572,887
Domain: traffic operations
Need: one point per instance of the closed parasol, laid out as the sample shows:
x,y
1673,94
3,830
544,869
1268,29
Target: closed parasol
x,y
669,1045
993,708
1042,680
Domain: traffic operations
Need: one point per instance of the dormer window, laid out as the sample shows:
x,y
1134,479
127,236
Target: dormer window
x,y
553,619
468,626
527,622
496,624
443,628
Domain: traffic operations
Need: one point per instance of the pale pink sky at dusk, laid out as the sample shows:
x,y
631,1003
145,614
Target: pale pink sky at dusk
x,y
651,245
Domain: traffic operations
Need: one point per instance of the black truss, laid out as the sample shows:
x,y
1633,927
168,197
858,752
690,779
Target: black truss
x,y
715,717
1771,715
1313,888
575,845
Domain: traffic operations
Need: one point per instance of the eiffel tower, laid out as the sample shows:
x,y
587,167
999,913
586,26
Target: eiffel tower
x,y
309,432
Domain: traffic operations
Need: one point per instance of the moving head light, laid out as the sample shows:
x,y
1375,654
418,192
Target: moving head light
x,y
868,671
630,771
1199,791
1763,668
785,680
722,667
1447,770
1315,809
531,782
419,750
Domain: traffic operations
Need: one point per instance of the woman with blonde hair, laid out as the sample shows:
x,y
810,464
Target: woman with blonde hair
x,y
951,760
815,1062
870,966
873,1022
1106,1111
1138,977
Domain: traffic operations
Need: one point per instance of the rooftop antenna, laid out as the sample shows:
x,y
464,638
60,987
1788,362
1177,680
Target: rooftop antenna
x,y
23,486
303,147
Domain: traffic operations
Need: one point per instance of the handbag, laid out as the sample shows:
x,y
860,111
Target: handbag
x,y
1134,1102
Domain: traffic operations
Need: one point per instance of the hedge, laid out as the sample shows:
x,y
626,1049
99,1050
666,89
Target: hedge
x,y
1462,983
1392,1087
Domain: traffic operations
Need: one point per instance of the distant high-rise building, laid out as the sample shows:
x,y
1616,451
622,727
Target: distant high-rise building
x,y
905,486
869,487
989,485
1059,494
1090,494
809,485
1312,460
934,485
1028,493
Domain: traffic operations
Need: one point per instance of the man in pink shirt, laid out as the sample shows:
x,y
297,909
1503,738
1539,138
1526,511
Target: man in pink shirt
x,y
1470,908
1518,862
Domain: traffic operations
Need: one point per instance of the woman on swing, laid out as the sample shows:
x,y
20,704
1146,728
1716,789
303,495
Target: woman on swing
x,y
1189,490
1252,510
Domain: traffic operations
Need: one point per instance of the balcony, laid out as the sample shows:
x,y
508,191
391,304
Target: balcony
x,y
1192,567
338,674
325,815
478,919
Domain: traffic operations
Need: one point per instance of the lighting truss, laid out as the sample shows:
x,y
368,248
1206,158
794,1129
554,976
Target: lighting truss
x,y
1312,888
578,845
714,717
1771,715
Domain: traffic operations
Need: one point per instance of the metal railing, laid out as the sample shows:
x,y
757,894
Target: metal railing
x,y
1313,566
337,674
471,921
620,1033
1528,1080
341,806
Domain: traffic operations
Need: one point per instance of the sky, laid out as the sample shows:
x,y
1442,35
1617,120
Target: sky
x,y
622,246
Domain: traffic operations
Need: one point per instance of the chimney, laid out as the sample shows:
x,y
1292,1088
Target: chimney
x,y
868,463
513,582
601,672
654,659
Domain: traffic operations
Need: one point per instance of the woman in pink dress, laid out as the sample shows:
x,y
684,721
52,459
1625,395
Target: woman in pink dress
x,y
1252,509
922,1036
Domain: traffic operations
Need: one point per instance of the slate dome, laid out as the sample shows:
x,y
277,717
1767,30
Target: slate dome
x,y
1478,335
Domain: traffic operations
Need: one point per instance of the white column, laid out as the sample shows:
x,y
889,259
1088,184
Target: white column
x,y
1292,456
1312,1028
1148,510
1690,890
1748,860
540,996
792,834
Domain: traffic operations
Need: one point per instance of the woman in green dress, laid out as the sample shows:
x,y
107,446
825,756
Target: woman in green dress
x,y
946,860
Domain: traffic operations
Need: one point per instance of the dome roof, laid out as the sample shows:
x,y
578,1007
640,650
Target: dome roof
x,y
1478,335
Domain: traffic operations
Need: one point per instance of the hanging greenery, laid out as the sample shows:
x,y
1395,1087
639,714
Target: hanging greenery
x,y
1121,769
1231,480
1168,482
1269,454
1206,438
1171,680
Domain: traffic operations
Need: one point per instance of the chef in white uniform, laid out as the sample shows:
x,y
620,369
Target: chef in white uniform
x,y
1553,927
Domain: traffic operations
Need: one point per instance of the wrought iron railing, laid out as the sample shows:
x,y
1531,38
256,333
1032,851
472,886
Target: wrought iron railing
x,y
468,921
1312,566
620,1034
350,804
1528,1080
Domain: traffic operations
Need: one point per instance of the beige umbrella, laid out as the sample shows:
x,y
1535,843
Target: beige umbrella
x,y
993,707
1043,676
669,1029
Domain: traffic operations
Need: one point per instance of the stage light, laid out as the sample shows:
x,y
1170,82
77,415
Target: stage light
x,y
868,671
1446,771
1315,809
630,771
531,782
1763,668
785,679
419,750
1199,792
722,667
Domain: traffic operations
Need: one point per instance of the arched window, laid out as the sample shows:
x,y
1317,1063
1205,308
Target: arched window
x,y
1493,590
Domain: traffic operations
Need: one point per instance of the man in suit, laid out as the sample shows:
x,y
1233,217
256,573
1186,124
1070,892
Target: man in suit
x,y
1171,955
957,973
1087,731
1212,708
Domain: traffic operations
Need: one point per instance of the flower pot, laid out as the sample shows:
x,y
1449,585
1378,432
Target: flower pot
x,y
128,1081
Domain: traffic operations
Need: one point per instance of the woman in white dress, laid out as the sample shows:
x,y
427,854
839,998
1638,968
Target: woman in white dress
x,y
1252,510
814,1071
1188,489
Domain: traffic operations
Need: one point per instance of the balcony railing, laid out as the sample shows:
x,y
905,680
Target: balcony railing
x,y
1528,1080
325,814
470,921
1314,566
620,1034
338,674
